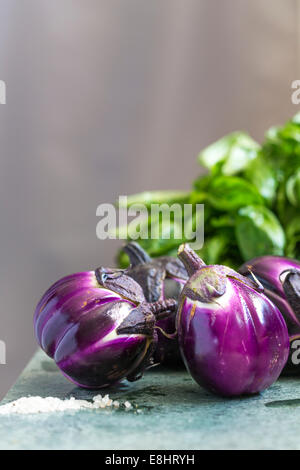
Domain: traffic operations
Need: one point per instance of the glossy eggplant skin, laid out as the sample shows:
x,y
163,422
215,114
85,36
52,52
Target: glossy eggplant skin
x,y
270,272
233,339
76,323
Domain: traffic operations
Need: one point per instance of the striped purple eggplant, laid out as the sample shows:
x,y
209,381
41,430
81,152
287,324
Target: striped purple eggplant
x,y
280,278
161,278
98,327
233,339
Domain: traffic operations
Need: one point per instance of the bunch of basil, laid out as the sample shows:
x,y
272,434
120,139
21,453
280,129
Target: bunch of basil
x,y
251,195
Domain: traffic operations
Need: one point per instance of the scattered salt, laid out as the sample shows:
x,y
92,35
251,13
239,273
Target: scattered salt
x,y
30,405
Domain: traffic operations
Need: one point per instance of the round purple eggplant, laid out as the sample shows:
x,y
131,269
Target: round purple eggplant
x,y
160,278
98,327
233,339
280,278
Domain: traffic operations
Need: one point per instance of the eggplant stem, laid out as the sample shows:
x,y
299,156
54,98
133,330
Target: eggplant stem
x,y
291,287
163,308
192,262
167,335
141,320
256,281
136,254
102,274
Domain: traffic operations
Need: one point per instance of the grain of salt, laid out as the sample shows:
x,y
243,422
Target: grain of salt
x,y
32,405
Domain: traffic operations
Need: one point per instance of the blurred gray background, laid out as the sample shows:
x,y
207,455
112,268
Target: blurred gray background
x,y
109,97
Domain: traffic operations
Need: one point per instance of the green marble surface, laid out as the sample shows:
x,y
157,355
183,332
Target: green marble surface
x,y
175,413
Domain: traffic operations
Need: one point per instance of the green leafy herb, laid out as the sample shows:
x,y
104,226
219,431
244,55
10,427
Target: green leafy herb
x,y
228,193
258,232
251,195
232,153
293,189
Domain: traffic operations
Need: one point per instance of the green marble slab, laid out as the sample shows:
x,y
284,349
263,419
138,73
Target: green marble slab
x,y
175,413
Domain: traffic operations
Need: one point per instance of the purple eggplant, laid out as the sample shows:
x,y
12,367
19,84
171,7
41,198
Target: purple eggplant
x,y
98,327
280,278
233,339
160,278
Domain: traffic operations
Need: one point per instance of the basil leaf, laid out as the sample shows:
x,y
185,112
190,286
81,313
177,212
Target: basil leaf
x,y
202,183
258,232
293,238
228,193
282,148
293,189
263,177
231,154
155,197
